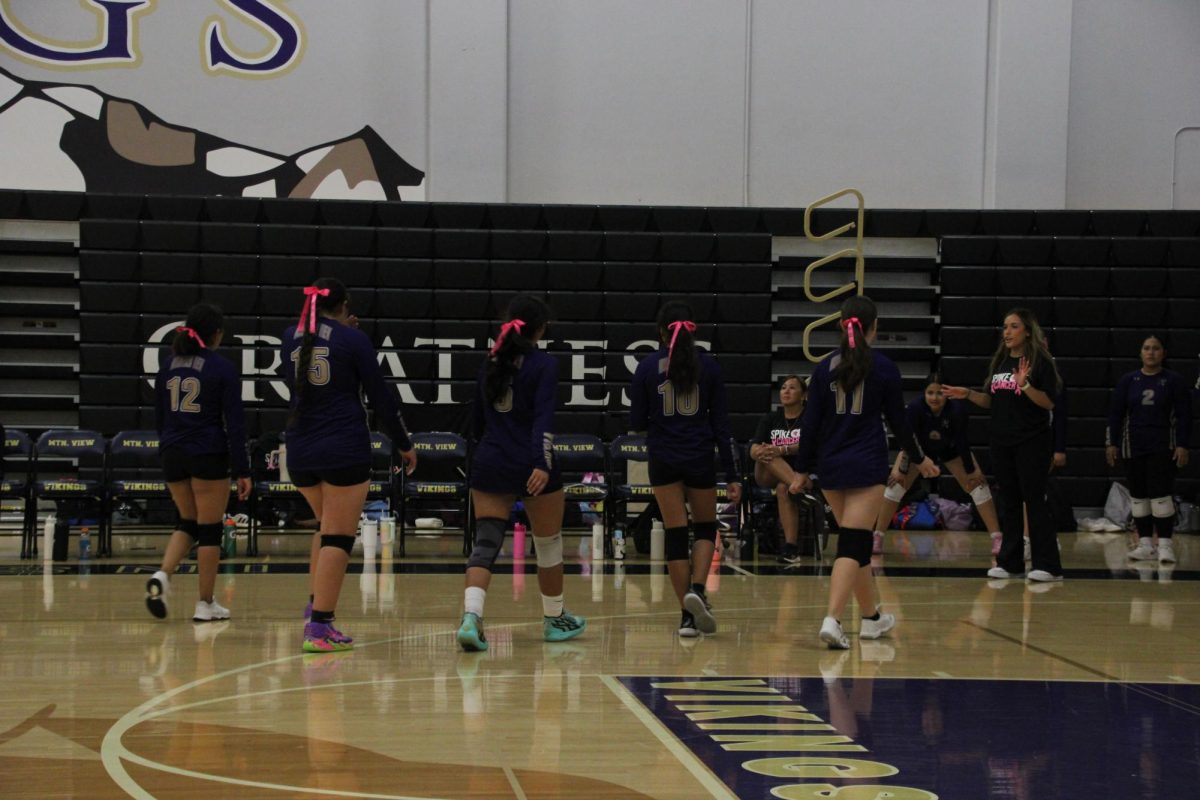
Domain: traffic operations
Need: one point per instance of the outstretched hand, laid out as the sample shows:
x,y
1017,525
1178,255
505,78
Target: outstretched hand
x,y
1021,374
928,469
955,392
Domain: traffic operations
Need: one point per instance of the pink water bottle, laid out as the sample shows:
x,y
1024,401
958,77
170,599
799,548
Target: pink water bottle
x,y
519,540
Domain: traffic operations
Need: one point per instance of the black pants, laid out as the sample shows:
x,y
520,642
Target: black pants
x,y
1022,471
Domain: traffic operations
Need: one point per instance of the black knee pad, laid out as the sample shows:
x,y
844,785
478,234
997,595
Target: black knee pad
x,y
677,543
188,526
855,543
209,534
338,540
489,536
706,531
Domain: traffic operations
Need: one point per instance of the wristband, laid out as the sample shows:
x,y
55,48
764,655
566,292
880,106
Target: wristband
x,y
1025,387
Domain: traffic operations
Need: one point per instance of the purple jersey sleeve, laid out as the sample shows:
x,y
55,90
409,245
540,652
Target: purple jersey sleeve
x,y
810,421
897,419
235,422
383,400
542,440
1117,410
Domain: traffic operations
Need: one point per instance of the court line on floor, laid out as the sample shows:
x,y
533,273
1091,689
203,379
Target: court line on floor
x,y
697,768
1139,688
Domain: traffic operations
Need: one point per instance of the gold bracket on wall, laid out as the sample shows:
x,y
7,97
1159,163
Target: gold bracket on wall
x,y
856,251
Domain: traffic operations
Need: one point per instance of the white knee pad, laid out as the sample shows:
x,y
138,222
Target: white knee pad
x,y
1162,507
549,550
1140,506
981,494
895,492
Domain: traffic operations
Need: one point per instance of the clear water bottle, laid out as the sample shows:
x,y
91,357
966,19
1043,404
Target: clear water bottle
x,y
85,544
618,545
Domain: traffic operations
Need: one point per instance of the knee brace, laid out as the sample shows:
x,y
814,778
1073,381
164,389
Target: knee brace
x,y
855,543
677,543
705,531
489,536
981,494
895,492
338,540
548,550
188,526
1140,506
1162,507
209,534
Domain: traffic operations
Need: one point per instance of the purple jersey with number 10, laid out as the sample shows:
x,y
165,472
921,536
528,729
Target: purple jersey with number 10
x,y
682,429
842,436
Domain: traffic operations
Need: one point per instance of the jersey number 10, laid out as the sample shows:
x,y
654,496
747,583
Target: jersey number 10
x,y
684,403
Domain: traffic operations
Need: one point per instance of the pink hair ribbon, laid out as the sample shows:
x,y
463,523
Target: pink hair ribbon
x,y
514,325
675,327
310,307
849,326
192,333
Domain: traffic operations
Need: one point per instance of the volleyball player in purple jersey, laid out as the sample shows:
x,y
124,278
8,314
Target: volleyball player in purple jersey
x,y
514,458
1149,425
841,434
940,427
678,398
1022,384
201,433
328,441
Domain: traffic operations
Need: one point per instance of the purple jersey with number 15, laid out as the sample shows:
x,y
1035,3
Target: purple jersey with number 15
x,y
332,430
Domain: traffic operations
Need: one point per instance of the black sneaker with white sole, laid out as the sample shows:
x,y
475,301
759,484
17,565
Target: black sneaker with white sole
x,y
701,611
156,594
687,626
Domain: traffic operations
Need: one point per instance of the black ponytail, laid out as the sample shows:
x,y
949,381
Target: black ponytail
x,y
684,368
858,316
513,342
204,321
324,303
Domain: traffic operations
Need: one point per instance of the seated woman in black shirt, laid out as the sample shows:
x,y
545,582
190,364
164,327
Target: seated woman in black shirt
x,y
773,449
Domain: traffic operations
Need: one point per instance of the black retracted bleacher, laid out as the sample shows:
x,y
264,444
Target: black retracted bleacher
x,y
428,282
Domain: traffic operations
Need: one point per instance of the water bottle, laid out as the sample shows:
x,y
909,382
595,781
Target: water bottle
x,y
658,541
618,545
85,544
519,541
48,537
229,538
370,538
598,542
387,535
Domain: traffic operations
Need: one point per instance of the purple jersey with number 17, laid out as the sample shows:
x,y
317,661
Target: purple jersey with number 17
x,y
842,436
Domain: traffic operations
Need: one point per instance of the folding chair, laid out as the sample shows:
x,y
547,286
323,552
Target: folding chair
x,y
68,466
581,456
622,450
14,484
439,483
134,471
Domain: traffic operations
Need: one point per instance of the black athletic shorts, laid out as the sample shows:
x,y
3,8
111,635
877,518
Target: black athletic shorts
x,y
1151,475
340,476
695,475
180,466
